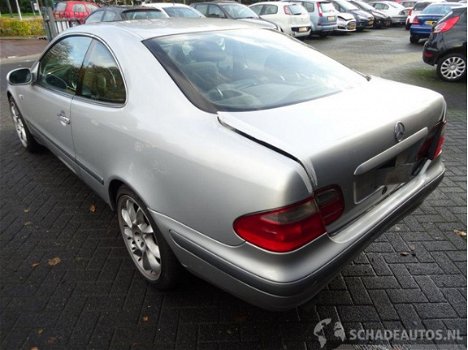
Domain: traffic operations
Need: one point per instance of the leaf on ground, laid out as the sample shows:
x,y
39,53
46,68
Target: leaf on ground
x,y
145,318
27,210
34,348
404,253
36,264
92,208
28,223
460,233
412,247
40,331
54,261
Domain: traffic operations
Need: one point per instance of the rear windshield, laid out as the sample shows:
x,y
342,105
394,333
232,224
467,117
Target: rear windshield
x,y
365,6
327,6
297,9
61,6
419,6
142,14
248,69
179,11
239,11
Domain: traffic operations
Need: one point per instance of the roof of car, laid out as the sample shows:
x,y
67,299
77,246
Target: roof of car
x,y
164,4
150,28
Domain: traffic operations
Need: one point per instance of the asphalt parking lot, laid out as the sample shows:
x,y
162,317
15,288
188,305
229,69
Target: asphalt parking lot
x,y
67,281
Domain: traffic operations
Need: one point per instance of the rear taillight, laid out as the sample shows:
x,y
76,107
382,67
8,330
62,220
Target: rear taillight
x,y
287,10
446,25
290,227
415,20
432,147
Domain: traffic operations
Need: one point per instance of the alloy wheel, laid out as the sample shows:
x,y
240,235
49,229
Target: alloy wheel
x,y
139,237
453,68
19,125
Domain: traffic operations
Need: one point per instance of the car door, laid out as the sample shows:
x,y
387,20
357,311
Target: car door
x,y
47,102
96,109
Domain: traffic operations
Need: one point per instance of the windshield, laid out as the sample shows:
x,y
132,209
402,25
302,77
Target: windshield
x,y
327,7
347,6
420,6
248,69
179,11
437,10
237,11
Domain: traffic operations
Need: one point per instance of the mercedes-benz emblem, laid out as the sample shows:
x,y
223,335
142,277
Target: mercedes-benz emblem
x,y
399,131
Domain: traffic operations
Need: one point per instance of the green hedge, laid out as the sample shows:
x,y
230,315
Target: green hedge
x,y
26,27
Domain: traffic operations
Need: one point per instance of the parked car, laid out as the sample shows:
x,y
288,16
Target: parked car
x,y
292,18
397,12
231,10
417,9
249,158
123,13
323,16
381,20
74,10
173,9
346,22
446,47
363,19
422,24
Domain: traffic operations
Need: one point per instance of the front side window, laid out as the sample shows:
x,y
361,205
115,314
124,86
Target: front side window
x,y
237,11
249,69
150,14
59,68
102,79
257,9
179,11
110,16
203,8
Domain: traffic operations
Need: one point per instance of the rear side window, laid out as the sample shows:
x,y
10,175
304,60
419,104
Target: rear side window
x,y
202,8
270,10
59,68
215,11
102,79
257,9
110,16
181,12
95,17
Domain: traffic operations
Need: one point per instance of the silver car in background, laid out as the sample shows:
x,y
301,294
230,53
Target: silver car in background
x,y
239,153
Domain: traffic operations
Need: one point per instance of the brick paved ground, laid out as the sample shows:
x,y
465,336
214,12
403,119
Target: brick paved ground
x,y
93,298
21,47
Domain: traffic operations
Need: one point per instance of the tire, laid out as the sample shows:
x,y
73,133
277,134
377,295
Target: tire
x,y
452,67
323,34
22,131
414,39
147,247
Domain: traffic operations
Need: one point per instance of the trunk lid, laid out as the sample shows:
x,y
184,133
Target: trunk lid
x,y
349,138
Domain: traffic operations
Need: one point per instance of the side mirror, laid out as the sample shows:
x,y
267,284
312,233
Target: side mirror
x,y
19,76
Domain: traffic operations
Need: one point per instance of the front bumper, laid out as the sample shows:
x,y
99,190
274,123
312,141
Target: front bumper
x,y
283,281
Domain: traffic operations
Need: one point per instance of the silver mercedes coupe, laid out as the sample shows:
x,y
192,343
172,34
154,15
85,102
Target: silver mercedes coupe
x,y
237,152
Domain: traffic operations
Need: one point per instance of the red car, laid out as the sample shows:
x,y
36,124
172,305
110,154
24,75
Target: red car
x,y
78,10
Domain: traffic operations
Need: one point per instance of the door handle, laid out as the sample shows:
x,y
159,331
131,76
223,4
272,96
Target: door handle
x,y
63,118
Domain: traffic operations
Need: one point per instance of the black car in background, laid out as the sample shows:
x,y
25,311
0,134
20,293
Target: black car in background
x,y
123,13
363,18
446,47
381,20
